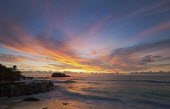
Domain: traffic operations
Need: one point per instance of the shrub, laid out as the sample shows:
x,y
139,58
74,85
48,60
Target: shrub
x,y
9,74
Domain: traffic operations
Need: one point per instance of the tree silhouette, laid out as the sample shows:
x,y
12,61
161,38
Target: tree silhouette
x,y
9,74
14,67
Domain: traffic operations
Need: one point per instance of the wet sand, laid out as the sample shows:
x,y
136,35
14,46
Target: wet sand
x,y
17,103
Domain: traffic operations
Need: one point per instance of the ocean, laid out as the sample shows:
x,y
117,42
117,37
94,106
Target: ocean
x,y
113,91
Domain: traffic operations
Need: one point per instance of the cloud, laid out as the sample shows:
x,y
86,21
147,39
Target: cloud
x,y
152,30
46,48
83,50
149,59
163,8
16,38
129,59
163,44
16,59
64,66
155,8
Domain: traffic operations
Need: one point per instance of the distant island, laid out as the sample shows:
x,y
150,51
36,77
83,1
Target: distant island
x,y
58,74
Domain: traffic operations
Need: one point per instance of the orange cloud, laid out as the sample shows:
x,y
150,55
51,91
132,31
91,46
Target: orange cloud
x,y
123,59
16,59
57,51
131,59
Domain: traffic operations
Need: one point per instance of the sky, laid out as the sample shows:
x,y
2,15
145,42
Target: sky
x,y
85,35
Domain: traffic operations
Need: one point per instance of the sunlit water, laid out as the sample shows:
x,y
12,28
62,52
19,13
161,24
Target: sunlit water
x,y
111,91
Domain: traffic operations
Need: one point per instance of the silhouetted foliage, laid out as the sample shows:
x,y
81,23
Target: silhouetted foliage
x,y
9,74
14,67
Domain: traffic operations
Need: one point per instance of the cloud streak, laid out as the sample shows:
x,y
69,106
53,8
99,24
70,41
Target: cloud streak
x,y
51,50
122,59
58,39
129,59
16,59
152,31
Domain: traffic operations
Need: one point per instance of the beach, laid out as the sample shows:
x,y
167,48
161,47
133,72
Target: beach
x,y
17,103
99,91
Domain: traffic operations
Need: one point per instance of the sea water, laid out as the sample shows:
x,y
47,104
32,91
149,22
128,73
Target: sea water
x,y
115,91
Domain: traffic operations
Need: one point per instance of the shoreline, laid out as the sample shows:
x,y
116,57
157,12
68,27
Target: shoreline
x,y
44,103
26,87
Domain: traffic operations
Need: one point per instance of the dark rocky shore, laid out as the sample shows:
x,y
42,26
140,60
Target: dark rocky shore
x,y
26,88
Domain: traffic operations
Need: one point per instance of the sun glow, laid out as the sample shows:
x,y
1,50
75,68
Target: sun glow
x,y
76,70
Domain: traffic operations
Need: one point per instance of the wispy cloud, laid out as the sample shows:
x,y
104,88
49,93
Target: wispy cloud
x,y
52,50
129,59
84,48
152,31
148,59
16,59
122,59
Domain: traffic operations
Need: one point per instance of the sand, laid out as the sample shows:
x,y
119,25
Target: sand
x,y
17,103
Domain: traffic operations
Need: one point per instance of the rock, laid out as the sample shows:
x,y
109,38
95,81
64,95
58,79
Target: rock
x,y
65,103
31,99
58,74
27,88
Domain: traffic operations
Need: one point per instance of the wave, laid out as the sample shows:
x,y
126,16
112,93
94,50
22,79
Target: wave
x,y
119,100
83,97
91,97
67,81
93,82
77,95
72,81
153,103
149,81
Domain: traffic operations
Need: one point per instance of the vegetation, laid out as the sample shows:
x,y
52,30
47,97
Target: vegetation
x,y
9,74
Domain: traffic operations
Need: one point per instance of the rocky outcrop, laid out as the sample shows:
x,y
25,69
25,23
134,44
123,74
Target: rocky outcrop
x,y
27,88
58,74
31,99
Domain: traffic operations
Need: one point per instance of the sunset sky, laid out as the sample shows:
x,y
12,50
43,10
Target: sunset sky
x,y
85,35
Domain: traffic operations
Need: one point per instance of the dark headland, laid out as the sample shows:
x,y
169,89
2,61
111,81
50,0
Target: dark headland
x,y
13,84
